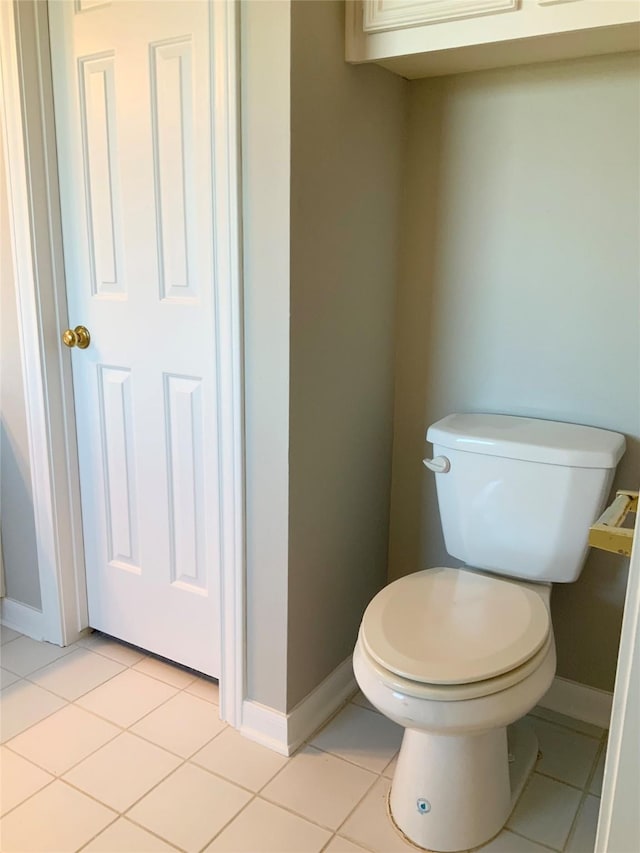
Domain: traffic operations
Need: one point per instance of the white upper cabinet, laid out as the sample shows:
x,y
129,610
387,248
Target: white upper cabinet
x,y
424,38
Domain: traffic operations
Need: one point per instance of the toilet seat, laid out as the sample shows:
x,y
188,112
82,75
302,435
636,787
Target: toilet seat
x,y
446,626
456,692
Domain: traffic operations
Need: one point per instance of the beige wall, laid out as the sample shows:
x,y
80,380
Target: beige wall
x,y
520,292
347,129
16,501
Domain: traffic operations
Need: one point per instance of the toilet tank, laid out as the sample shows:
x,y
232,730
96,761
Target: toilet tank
x,y
521,493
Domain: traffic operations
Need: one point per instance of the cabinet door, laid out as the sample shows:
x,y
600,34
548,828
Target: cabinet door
x,y
381,15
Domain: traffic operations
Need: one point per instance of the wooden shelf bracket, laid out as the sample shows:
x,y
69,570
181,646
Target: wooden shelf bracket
x,y
607,533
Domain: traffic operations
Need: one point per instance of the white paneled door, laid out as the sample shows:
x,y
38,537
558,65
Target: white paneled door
x,y
133,105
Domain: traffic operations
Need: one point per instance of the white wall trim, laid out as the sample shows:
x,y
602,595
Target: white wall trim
x,y
617,822
265,726
316,708
29,322
579,701
22,618
51,298
284,733
225,85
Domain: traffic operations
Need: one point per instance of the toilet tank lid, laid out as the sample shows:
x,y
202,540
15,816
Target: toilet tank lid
x,y
529,439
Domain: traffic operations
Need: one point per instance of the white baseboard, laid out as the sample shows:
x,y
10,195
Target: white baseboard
x,y
265,726
316,708
27,620
579,701
284,733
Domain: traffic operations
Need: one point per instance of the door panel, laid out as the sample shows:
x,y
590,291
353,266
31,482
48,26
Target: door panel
x,y
133,122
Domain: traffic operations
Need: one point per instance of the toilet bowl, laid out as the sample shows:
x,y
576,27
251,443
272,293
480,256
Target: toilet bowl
x,y
452,788
457,656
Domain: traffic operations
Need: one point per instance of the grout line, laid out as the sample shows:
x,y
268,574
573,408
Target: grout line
x,y
93,797
26,799
585,794
66,698
359,803
310,742
312,820
560,781
93,837
54,773
121,817
11,639
189,757
574,822
526,838
602,751
125,811
229,822
45,717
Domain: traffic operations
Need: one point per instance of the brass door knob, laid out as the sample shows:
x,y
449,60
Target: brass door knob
x,y
78,337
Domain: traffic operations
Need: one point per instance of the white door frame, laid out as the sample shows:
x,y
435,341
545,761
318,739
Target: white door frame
x,y
41,298
618,823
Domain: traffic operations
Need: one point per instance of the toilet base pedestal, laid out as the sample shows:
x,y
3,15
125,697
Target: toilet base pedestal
x,y
454,792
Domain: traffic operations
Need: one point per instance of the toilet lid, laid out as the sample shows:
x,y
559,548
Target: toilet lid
x,y
451,626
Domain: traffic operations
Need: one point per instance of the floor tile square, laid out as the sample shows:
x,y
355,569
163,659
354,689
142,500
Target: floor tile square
x,y
319,786
168,672
8,634
76,674
122,771
125,837
182,725
369,825
583,836
127,697
19,779
266,828
509,842
545,811
63,739
567,756
24,655
595,786
240,760
7,678
204,688
189,807
22,704
57,818
363,737
111,648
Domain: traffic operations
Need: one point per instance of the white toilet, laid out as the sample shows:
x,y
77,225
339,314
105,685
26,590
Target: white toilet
x,y
457,655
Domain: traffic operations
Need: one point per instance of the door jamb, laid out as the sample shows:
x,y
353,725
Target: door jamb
x,y
41,298
39,286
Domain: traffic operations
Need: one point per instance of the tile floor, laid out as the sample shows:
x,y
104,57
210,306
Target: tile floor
x,y
105,748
